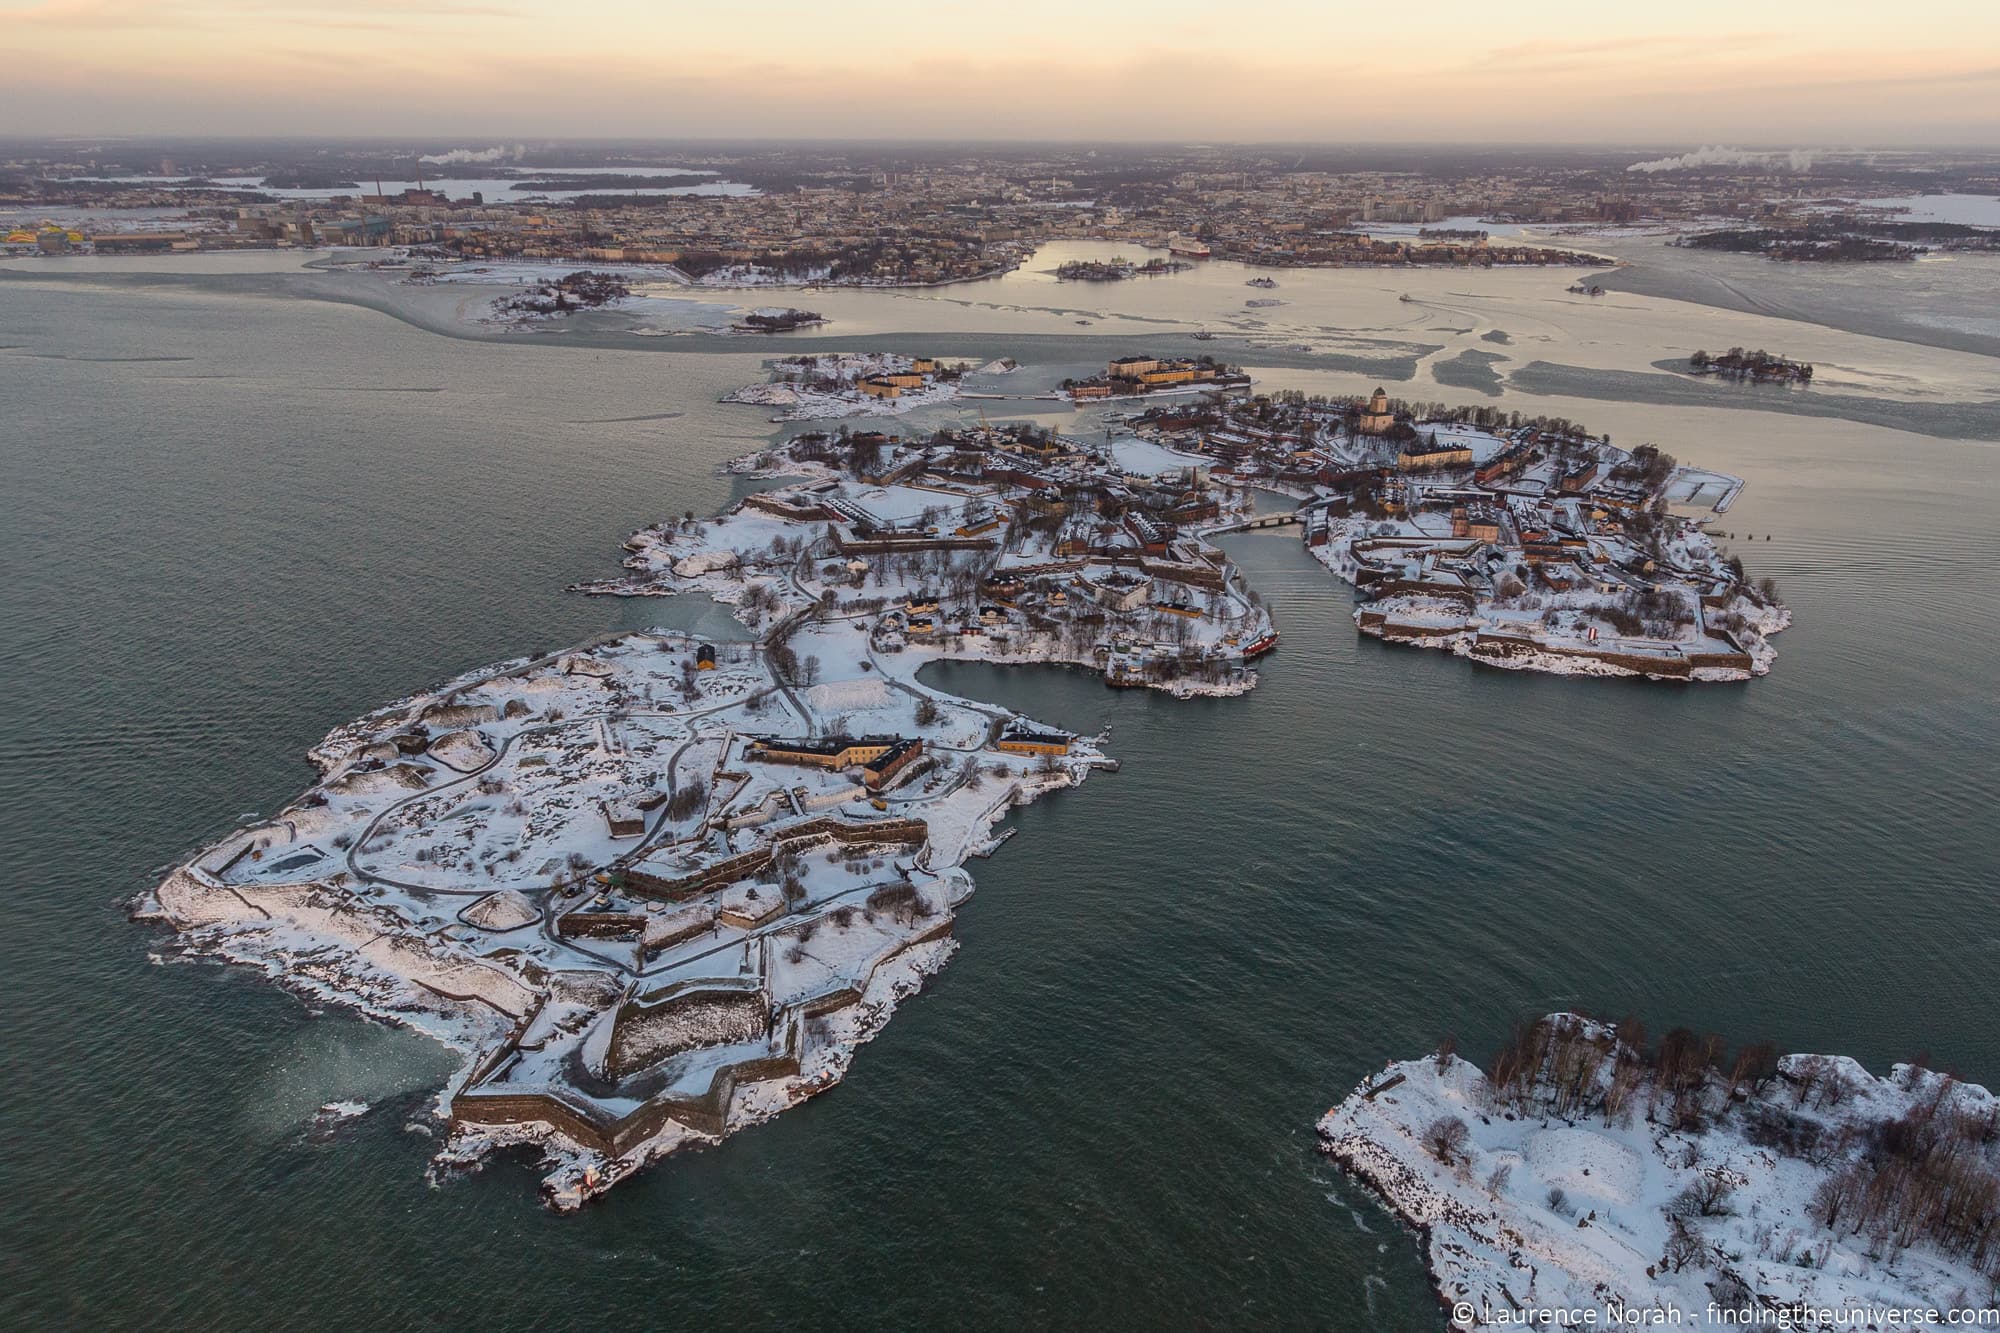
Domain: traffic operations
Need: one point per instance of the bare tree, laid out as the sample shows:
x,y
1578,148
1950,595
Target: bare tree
x,y
1446,1138
1706,1196
1684,1244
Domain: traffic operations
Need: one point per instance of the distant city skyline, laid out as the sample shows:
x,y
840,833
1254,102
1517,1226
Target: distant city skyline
x,y
1554,71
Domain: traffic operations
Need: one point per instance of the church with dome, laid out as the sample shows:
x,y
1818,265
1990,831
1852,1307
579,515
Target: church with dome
x,y
1376,418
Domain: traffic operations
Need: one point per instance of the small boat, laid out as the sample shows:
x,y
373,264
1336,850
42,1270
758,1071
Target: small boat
x,y
1202,335
1261,646
1261,282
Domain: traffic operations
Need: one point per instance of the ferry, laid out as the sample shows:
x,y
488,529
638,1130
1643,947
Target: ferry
x,y
1178,244
1261,646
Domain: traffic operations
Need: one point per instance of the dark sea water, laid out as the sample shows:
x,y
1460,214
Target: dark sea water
x,y
236,522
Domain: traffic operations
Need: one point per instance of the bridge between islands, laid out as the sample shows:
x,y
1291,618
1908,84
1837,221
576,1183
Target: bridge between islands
x,y
1289,519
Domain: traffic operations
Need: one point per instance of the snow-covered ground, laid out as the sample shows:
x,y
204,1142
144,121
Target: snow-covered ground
x,y
1145,458
1599,1184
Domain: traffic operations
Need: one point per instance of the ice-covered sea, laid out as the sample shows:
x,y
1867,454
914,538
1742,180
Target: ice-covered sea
x,y
492,189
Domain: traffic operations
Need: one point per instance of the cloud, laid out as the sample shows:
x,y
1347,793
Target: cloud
x,y
1643,52
95,14
205,15
276,64
387,8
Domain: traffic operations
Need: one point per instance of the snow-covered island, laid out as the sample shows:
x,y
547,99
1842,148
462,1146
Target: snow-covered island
x,y
551,298
848,384
1000,543
1592,1176
778,319
1117,269
1760,367
654,889
1520,543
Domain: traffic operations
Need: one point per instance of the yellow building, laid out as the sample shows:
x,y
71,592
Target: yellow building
x,y
1022,741
833,752
1377,417
1420,457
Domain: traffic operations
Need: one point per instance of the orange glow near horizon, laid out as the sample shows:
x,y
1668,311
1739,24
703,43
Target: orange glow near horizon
x,y
1785,72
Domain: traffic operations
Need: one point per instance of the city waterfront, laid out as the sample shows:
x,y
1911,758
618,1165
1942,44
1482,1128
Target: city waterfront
x,y
244,519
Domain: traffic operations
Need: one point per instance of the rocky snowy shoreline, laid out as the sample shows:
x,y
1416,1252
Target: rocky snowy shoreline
x,y
1592,1180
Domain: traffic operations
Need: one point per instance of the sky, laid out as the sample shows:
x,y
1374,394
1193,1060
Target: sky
x,y
1809,72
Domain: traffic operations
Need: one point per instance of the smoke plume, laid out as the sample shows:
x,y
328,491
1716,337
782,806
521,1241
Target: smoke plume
x,y
1795,159
464,156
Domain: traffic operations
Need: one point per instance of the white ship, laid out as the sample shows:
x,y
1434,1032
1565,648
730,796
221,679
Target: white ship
x,y
1178,244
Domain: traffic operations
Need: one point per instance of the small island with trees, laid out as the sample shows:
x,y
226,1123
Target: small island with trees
x,y
1759,366
779,319
1802,245
1846,239
1117,270
1588,1169
585,289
